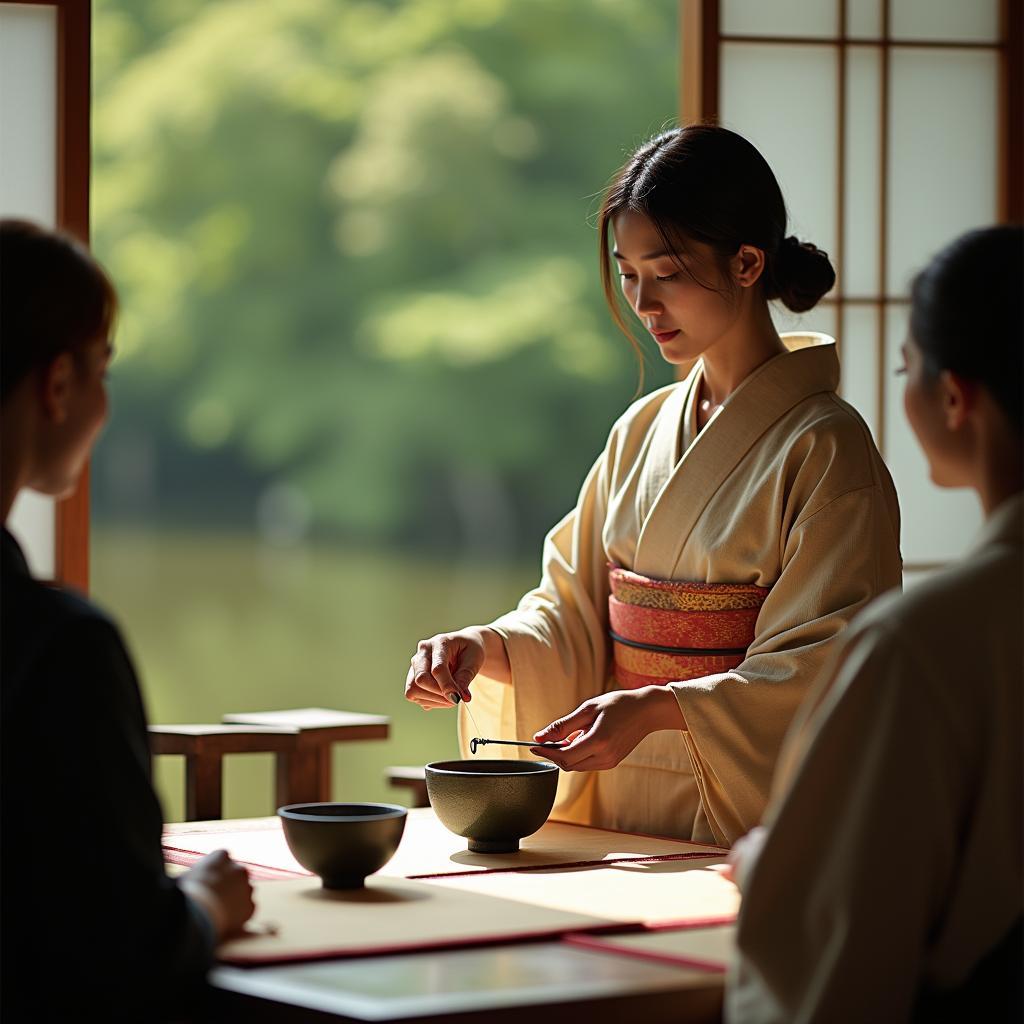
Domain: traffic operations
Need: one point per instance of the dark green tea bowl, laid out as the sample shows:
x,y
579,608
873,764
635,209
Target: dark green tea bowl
x,y
343,843
493,804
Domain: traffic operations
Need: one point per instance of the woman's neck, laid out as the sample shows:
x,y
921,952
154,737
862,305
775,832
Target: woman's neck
x,y
1000,476
13,462
991,455
751,342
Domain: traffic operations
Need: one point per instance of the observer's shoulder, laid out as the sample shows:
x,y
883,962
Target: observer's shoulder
x,y
38,620
979,596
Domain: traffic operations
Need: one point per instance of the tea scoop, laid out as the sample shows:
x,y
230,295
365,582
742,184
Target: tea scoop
x,y
478,741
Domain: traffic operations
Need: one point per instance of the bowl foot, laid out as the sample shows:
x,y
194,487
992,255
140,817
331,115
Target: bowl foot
x,y
344,883
494,846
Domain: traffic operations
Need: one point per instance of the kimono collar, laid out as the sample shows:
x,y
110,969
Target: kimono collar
x,y
809,367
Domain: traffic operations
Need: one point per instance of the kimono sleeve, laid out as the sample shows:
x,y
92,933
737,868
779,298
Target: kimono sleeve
x,y
834,562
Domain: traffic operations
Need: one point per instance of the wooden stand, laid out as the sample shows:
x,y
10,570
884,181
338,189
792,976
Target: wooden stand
x,y
304,773
413,779
204,747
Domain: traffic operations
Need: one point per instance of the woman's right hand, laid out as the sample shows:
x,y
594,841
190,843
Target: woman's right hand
x,y
444,666
222,888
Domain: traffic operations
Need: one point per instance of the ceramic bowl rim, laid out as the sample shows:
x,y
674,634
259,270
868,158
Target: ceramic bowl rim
x,y
294,812
543,768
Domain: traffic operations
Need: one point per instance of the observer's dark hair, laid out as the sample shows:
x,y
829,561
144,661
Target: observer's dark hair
x,y
968,314
707,184
54,298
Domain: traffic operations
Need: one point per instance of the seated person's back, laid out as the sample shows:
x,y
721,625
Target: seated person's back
x,y
92,928
888,883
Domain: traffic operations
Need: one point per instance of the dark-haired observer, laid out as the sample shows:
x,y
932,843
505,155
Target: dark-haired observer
x,y
888,884
731,528
92,927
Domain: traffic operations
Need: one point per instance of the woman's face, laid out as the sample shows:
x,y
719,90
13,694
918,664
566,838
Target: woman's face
x,y
81,409
926,400
685,310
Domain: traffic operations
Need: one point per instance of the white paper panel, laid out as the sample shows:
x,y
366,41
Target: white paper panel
x,y
943,149
780,18
28,168
858,349
793,124
864,19
859,266
938,524
955,20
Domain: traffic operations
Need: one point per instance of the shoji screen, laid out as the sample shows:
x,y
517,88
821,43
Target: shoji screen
x,y
884,121
28,188
44,176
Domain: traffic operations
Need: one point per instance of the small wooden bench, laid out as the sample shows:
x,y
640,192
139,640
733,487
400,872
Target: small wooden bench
x,y
204,748
304,772
412,778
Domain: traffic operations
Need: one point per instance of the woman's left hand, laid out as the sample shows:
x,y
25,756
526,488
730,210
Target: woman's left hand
x,y
609,726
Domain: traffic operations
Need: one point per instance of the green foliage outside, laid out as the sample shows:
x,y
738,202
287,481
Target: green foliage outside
x,y
355,250
364,362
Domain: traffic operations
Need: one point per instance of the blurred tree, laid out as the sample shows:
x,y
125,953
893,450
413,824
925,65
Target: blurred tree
x,y
352,242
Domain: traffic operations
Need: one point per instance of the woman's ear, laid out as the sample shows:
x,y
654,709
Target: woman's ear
x,y
56,381
747,265
959,397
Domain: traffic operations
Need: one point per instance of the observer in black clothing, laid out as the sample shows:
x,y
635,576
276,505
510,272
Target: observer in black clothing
x,y
91,928
89,918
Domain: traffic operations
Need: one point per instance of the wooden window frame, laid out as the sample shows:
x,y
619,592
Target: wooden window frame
x,y
701,40
700,88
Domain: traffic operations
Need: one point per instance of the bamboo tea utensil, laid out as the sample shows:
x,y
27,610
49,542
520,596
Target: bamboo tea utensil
x,y
477,741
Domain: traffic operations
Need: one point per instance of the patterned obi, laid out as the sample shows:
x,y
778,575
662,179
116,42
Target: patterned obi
x,y
663,631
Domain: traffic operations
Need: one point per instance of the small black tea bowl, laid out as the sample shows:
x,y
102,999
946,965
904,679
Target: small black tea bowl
x,y
343,843
493,804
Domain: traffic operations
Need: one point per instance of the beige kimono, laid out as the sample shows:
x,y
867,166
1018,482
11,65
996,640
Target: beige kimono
x,y
784,489
891,881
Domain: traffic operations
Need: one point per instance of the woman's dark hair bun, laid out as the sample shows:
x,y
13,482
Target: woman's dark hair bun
x,y
799,274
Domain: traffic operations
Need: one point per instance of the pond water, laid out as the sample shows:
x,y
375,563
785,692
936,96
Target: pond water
x,y
221,623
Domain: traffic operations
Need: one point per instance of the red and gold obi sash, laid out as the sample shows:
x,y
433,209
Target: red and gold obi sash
x,y
663,631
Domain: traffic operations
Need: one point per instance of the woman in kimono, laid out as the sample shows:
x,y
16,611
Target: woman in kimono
x,y
733,525
888,885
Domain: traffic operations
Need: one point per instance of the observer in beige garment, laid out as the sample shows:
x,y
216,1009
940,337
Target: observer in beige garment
x,y
751,471
887,884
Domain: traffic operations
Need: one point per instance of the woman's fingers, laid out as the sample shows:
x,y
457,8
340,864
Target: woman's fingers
x,y
572,761
440,659
426,696
441,670
577,721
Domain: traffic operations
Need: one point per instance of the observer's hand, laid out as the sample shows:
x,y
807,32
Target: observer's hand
x,y
222,888
612,725
447,663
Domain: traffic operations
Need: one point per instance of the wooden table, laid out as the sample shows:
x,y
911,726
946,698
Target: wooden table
x,y
595,977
